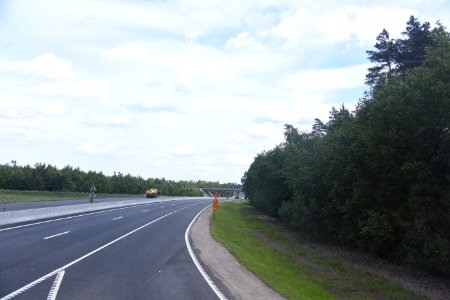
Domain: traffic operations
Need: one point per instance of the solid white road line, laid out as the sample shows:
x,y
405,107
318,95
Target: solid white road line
x,y
118,218
39,280
52,236
55,286
197,264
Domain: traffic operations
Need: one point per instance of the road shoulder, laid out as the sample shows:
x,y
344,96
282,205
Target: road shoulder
x,y
241,283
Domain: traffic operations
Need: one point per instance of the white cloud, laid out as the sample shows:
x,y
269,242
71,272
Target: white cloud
x,y
265,130
131,52
302,27
239,159
234,147
202,168
192,36
182,150
323,80
338,24
207,160
367,24
218,101
303,107
204,163
244,41
195,64
46,65
24,127
84,89
9,113
109,121
143,107
98,149
55,108
239,137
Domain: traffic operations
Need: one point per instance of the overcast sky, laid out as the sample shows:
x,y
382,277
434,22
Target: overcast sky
x,y
184,90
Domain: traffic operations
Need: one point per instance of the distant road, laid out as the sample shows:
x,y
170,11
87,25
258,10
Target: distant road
x,y
40,204
128,253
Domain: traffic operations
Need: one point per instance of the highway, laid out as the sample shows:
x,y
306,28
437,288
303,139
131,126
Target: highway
x,y
40,204
135,252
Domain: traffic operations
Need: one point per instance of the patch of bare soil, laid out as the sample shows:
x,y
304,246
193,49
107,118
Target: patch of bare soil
x,y
433,287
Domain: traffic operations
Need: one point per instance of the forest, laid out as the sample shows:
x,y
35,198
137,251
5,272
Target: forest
x,y
376,178
45,177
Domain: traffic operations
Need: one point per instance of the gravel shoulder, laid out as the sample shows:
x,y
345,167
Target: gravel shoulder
x,y
241,283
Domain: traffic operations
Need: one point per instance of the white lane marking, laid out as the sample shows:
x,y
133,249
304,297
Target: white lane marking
x,y
197,264
52,236
39,280
145,210
55,286
162,206
118,218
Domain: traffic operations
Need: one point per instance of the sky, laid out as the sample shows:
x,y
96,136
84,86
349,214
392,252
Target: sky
x,y
187,89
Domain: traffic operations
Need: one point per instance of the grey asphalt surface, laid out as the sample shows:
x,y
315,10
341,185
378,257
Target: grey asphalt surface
x,y
151,262
55,203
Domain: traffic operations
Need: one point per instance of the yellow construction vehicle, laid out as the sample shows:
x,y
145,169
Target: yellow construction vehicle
x,y
151,193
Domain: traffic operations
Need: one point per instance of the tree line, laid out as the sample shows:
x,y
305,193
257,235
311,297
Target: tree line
x,y
45,177
377,178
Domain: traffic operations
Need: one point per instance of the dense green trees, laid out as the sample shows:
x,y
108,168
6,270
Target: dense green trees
x,y
43,177
377,178
400,55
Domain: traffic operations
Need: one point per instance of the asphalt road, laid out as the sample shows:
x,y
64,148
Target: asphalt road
x,y
54,203
128,253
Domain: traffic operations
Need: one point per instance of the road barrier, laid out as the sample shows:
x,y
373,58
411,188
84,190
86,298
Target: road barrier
x,y
18,216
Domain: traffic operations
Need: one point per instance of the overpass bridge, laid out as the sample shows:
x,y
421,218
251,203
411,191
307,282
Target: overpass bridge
x,y
210,191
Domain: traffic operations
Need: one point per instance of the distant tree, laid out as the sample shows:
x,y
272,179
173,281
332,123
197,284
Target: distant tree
x,y
394,57
411,50
319,129
50,178
384,56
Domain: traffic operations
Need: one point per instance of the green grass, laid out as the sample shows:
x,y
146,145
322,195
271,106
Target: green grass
x,y
9,196
296,272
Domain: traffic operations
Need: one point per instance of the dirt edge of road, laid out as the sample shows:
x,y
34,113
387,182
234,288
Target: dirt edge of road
x,y
241,283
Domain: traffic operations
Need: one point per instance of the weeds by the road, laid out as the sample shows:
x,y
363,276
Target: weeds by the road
x,y
9,196
294,271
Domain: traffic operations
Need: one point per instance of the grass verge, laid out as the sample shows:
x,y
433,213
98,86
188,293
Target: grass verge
x,y
294,271
9,196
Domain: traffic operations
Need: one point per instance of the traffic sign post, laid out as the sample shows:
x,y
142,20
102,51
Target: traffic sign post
x,y
215,204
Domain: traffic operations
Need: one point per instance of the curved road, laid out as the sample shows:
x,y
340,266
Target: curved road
x,y
136,252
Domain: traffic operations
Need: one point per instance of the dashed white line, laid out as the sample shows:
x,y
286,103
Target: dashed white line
x,y
71,217
55,235
145,210
118,218
55,286
39,280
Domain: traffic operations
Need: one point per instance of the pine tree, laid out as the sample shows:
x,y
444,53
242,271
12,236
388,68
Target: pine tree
x,y
384,56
